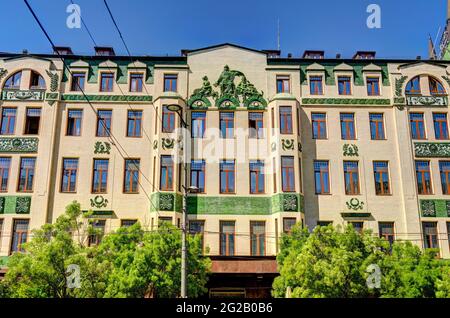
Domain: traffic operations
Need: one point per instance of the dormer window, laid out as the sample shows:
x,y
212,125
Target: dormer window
x,y
104,51
436,88
344,85
106,82
315,55
413,86
13,82
36,81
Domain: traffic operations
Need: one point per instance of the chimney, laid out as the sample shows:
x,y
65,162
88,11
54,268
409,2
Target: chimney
x,y
104,51
24,51
62,50
338,55
418,57
364,55
289,55
272,53
316,55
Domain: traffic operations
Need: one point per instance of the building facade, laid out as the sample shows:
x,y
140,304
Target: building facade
x,y
272,142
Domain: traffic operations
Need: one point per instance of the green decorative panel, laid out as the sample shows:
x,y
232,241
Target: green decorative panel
x,y
100,213
15,204
287,144
355,204
345,101
22,145
25,95
2,205
23,205
360,215
427,100
102,147
350,150
166,201
435,208
432,149
99,202
106,98
287,202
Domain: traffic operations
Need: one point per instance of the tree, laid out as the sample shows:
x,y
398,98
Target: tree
x,y
443,283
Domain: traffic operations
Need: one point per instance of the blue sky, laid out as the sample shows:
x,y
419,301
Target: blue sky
x,y
165,26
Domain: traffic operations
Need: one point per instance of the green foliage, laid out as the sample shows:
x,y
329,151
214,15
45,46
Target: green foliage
x,y
443,283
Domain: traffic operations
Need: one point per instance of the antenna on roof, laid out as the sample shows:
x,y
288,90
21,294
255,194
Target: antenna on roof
x,y
278,34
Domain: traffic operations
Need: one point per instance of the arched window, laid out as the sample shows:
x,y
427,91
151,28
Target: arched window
x,y
436,87
36,80
413,86
14,80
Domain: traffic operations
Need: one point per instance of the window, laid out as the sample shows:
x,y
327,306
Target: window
x,y
436,88
5,164
319,125
127,223
373,86
413,86
288,224
430,234
106,82
197,227
423,176
381,177
287,174
166,182
324,223
36,81
32,120
98,230
131,180
134,123
69,175
100,176
386,230
170,82
300,174
136,80
351,177
78,80
376,126
13,82
168,120
444,168
322,177
448,233
258,238
256,176
283,85
227,176
26,174
104,123
74,117
348,126
1,232
8,121
440,125
255,125
417,126
357,226
226,124
164,219
227,238
198,175
315,85
198,124
344,85
274,173
286,120
20,235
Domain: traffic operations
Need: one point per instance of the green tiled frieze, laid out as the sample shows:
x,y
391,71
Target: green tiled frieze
x,y
435,208
22,145
25,95
106,98
15,204
166,201
432,149
345,101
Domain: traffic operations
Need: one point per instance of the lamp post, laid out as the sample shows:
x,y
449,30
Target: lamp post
x,y
186,190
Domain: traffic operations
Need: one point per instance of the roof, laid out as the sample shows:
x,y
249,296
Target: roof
x,y
212,47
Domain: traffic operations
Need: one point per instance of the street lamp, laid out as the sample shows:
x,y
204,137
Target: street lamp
x,y
186,190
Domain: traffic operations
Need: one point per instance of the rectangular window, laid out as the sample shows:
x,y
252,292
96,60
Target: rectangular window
x,y
100,176
300,174
227,176
283,85
98,230
348,126
430,235
376,126
170,82
168,125
197,227
131,179
417,126
258,238
274,172
104,123
344,85
351,177
319,125
69,175
5,164
315,85
288,224
134,123
381,177
373,86
198,175
286,120
20,235
227,238
136,80
444,168
32,121
26,174
255,125
166,182
287,174
127,223
107,80
448,233
198,124
74,117
440,125
357,226
8,121
386,230
78,80
226,125
322,177
423,176
256,176
1,232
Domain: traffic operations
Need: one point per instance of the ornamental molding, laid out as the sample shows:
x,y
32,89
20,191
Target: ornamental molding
x,y
432,149
28,95
350,150
106,98
102,147
355,204
22,145
427,100
399,85
287,144
99,202
15,204
3,72
54,79
345,101
167,143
